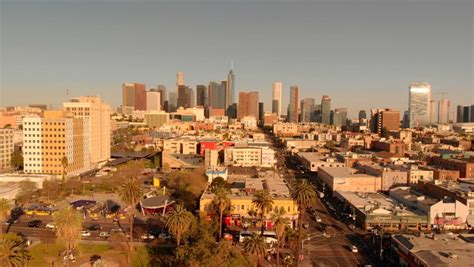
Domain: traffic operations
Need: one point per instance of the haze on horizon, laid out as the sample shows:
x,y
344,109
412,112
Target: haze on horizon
x,y
363,54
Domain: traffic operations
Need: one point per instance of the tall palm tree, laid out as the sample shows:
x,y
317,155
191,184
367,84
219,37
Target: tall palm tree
x,y
178,222
68,223
279,224
263,201
305,195
222,202
4,212
131,192
255,246
12,251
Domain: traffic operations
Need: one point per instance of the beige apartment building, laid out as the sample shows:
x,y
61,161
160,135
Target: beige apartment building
x,y
47,140
97,112
348,179
6,148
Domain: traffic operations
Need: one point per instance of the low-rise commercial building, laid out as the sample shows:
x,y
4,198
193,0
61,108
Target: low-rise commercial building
x,y
372,210
433,250
349,179
445,213
313,161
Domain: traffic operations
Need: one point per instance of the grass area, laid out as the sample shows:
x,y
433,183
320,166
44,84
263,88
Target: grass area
x,y
140,258
44,254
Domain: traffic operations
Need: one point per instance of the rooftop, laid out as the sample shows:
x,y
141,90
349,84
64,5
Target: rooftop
x,y
442,250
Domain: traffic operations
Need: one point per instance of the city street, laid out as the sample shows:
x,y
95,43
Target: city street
x,y
320,250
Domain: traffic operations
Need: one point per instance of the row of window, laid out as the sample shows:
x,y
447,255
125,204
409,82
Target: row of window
x,y
43,123
44,153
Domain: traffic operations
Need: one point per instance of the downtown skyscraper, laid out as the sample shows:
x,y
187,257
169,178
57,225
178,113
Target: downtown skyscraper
x,y
230,89
443,111
293,105
307,110
326,110
419,104
134,95
248,105
276,99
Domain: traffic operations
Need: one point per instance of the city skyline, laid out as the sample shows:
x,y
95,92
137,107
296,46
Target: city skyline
x,y
363,65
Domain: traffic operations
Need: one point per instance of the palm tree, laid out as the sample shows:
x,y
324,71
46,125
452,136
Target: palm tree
x,y
68,223
178,222
263,201
4,212
304,195
222,202
279,223
255,245
131,192
12,251
64,163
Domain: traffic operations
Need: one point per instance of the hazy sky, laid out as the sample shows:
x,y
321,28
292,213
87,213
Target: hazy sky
x,y
363,54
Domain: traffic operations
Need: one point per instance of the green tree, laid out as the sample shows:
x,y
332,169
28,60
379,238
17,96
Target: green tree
x,y
280,223
222,202
68,223
178,222
131,192
4,212
255,246
263,201
13,252
219,184
64,164
305,195
17,159
27,192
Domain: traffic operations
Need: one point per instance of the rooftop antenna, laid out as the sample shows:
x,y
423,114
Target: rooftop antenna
x,y
232,64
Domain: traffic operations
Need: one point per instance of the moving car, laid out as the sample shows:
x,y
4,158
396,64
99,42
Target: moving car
x,y
51,226
35,223
354,249
147,236
85,233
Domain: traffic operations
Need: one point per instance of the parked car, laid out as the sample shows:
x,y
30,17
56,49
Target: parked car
x,y
164,236
116,230
35,223
85,233
105,234
318,219
94,227
354,249
51,225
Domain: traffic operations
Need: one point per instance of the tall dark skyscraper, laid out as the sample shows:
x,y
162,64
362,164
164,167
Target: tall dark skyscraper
x,y
248,104
216,95
185,96
326,109
362,115
339,117
163,94
293,105
466,113
317,113
201,95
261,112
307,110
230,89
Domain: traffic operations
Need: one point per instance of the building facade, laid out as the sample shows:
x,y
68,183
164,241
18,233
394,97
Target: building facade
x,y
293,105
276,98
6,148
248,104
419,107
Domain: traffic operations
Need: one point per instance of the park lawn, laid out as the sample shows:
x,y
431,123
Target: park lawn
x,y
45,253
140,258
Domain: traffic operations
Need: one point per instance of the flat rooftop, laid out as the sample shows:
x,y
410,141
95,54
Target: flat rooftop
x,y
343,172
443,250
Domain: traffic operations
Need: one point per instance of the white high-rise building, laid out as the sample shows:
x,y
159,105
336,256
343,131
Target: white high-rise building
x,y
153,101
98,113
419,104
443,111
276,100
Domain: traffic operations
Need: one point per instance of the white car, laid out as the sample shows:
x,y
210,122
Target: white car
x,y
51,226
354,249
318,219
105,234
85,233
147,236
